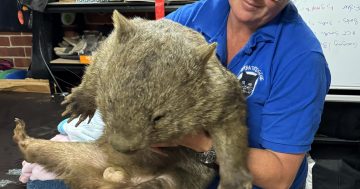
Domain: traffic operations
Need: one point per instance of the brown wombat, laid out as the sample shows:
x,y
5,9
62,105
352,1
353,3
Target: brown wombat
x,y
153,82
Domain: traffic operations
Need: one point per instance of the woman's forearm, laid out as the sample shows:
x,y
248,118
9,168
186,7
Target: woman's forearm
x,y
272,169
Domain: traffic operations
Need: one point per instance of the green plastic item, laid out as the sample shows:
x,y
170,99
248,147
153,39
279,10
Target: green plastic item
x,y
6,72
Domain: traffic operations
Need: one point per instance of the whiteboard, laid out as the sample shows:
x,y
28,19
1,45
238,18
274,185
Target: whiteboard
x,y
336,23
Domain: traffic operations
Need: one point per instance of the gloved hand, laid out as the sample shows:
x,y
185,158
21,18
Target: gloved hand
x,y
85,131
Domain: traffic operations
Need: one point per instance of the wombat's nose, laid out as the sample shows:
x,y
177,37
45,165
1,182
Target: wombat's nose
x,y
125,146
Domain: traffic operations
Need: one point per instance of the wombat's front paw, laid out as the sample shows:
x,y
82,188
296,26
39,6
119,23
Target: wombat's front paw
x,y
115,174
247,185
244,185
240,180
79,104
246,179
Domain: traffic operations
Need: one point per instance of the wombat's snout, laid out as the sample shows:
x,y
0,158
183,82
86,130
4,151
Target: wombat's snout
x,y
128,145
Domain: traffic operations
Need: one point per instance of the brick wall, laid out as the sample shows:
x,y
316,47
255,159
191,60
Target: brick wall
x,y
16,47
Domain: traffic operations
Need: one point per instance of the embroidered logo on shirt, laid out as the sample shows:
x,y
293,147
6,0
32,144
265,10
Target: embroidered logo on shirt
x,y
248,82
249,77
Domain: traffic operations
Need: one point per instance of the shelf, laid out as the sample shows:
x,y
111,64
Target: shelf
x,y
343,87
134,7
64,61
331,140
67,67
342,98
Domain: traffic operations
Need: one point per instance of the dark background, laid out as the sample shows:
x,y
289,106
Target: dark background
x,y
8,17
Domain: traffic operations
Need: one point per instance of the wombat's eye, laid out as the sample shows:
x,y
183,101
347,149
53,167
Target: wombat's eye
x,y
156,118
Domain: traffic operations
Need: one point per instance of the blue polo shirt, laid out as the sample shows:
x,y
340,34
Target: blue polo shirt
x,y
283,73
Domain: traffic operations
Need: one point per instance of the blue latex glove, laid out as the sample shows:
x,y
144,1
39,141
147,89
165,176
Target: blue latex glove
x,y
85,131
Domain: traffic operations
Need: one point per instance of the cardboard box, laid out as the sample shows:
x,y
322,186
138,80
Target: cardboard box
x,y
25,85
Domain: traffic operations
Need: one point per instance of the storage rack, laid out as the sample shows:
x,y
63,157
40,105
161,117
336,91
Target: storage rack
x,y
46,27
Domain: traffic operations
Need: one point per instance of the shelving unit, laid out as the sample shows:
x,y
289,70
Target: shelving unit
x,y
47,31
133,7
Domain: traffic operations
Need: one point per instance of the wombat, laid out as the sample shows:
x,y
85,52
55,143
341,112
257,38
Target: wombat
x,y
153,82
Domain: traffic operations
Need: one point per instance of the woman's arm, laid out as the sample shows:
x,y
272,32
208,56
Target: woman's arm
x,y
273,169
269,169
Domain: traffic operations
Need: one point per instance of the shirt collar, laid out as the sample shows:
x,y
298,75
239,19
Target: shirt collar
x,y
216,12
269,31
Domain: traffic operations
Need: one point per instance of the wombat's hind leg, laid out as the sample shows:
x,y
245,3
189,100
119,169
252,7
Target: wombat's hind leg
x,y
19,132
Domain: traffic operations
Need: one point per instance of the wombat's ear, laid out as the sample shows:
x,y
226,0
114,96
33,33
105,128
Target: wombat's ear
x,y
121,24
206,51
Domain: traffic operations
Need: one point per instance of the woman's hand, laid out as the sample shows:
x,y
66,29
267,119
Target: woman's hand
x,y
199,142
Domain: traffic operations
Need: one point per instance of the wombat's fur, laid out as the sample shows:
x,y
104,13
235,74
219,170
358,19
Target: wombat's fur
x,y
153,82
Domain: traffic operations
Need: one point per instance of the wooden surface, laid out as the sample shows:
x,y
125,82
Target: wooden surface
x,y
25,85
64,61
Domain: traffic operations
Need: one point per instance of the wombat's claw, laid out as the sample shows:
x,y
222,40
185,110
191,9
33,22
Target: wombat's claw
x,y
70,108
72,117
84,116
74,113
19,131
81,117
70,104
65,102
76,110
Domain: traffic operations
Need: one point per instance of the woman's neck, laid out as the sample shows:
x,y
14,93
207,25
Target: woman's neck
x,y
237,36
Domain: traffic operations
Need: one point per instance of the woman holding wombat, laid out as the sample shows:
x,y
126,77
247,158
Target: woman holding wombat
x,y
284,76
